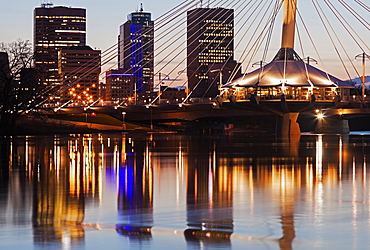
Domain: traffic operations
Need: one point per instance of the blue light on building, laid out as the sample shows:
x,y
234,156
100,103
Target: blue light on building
x,y
136,46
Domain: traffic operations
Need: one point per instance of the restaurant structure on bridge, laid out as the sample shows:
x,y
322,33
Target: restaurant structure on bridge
x,y
287,76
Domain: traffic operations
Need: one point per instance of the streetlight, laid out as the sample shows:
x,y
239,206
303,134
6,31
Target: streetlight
x,y
310,59
166,77
363,77
259,63
123,120
151,115
221,74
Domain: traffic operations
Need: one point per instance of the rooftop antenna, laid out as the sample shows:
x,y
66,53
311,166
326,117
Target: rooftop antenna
x,y
46,4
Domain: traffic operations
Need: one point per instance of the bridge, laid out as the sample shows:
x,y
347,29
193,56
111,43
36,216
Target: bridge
x,y
208,117
286,88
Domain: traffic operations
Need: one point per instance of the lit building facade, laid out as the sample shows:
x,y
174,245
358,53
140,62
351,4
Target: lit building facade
x,y
56,28
135,50
119,86
79,68
210,35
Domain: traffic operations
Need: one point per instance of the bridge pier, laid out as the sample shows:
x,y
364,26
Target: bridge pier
x,y
287,125
332,125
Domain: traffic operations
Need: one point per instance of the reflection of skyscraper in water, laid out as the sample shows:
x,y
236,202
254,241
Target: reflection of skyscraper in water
x,y
135,194
209,197
58,210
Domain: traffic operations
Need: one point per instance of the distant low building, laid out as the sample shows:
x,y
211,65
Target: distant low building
x,y
4,68
18,89
30,84
119,86
79,68
171,95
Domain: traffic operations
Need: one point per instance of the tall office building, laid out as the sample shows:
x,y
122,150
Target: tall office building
x,y
136,47
210,38
56,27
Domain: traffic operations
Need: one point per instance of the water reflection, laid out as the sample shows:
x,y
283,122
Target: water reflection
x,y
58,200
135,192
216,189
209,195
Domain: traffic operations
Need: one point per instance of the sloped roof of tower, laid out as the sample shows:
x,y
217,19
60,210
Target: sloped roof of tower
x,y
288,69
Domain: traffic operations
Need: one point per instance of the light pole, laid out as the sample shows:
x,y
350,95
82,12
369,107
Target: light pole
x,y
363,77
166,77
123,120
260,63
310,59
86,110
221,74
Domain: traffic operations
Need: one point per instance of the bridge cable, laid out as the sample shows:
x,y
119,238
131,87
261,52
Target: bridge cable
x,y
180,45
331,39
185,59
197,83
167,41
246,48
257,42
236,69
339,40
355,14
112,57
229,43
234,72
337,15
363,5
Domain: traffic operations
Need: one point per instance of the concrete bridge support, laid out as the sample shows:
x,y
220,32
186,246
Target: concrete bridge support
x,y
332,125
287,125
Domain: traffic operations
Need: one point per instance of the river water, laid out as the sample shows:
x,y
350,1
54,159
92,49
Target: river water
x,y
171,191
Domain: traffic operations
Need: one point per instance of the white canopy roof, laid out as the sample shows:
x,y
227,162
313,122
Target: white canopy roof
x,y
290,73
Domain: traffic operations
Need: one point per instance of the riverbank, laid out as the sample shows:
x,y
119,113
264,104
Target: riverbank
x,y
27,125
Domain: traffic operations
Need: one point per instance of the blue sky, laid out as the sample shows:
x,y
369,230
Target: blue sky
x,y
105,17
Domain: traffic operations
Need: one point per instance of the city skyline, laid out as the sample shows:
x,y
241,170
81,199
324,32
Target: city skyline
x,y
103,23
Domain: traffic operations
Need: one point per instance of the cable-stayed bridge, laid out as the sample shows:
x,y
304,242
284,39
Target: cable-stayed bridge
x,y
285,87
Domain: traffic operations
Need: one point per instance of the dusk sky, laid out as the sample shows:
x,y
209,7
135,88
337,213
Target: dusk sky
x,y
105,17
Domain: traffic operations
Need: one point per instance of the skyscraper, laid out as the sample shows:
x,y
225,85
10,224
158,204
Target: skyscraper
x,y
135,49
210,38
56,28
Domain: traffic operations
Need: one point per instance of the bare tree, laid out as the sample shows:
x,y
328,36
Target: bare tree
x,y
19,84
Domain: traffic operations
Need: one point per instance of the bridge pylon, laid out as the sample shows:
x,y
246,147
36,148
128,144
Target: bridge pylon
x,y
287,125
